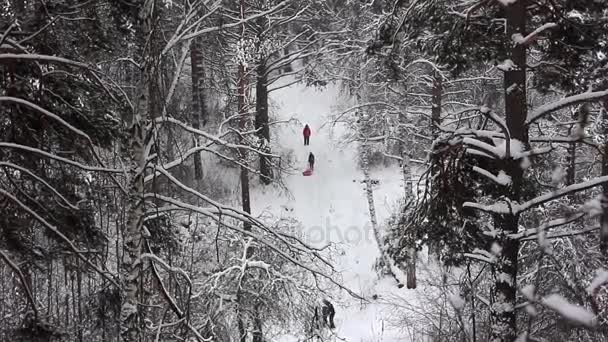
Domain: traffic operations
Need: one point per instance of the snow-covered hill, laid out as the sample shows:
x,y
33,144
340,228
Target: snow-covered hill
x,y
332,206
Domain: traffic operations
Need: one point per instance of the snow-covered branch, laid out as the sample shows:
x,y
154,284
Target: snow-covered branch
x,y
46,58
562,192
502,178
574,313
42,181
212,137
532,36
61,159
271,245
567,101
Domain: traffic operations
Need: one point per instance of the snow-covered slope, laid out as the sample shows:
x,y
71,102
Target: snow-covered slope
x,y
332,206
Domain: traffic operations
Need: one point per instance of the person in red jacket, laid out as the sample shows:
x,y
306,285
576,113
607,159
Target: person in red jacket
x,y
306,133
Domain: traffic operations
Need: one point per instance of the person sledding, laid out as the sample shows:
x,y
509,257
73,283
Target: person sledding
x,y
306,132
311,165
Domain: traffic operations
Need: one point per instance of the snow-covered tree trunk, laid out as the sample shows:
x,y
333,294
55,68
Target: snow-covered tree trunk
x,y
369,194
261,118
130,319
503,318
436,93
408,196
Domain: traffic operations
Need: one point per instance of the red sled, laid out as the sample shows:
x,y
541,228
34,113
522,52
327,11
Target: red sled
x,y
307,172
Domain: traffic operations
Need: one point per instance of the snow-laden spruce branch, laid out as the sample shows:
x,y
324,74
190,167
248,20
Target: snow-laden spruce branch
x,y
61,159
260,239
478,133
571,312
510,149
42,181
567,101
566,140
509,207
501,179
481,146
488,113
481,255
530,234
60,235
566,233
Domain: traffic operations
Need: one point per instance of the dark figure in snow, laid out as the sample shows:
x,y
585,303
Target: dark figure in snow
x,y
328,312
311,161
306,134
326,317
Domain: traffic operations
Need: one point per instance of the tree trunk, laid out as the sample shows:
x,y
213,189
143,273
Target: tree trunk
x,y
503,318
261,119
130,319
408,193
244,176
199,109
604,218
258,336
243,152
436,103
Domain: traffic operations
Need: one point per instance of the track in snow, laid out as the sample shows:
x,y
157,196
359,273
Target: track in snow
x,y
332,207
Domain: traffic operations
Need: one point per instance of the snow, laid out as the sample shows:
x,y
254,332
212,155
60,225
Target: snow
x,y
333,209
507,2
507,65
558,175
593,207
528,292
496,249
569,311
519,39
456,301
600,279
501,179
515,149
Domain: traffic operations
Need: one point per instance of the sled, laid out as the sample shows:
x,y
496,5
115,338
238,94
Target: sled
x,y
307,172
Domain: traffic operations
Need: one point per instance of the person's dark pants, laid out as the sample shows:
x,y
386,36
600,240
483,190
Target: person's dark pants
x,y
306,141
311,165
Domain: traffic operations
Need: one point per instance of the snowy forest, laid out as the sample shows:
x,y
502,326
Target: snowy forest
x,y
304,170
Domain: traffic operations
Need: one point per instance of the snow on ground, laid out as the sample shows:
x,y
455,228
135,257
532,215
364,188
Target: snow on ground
x,y
331,205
